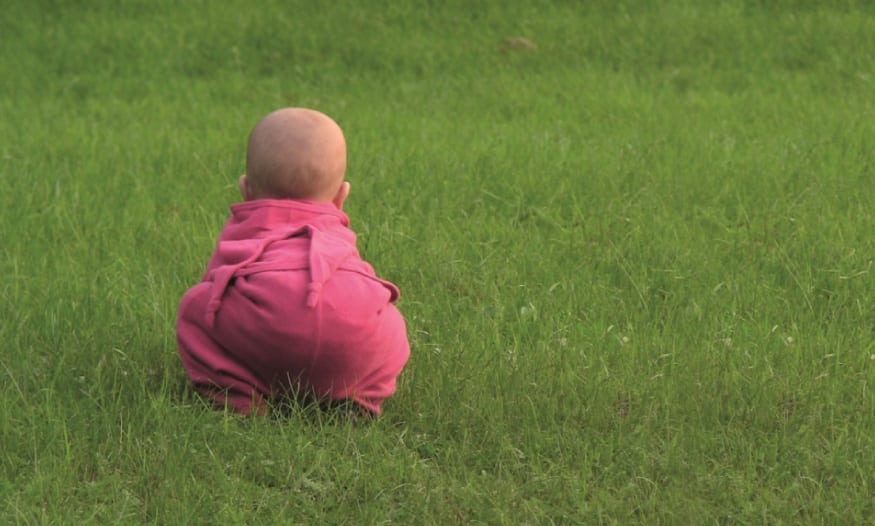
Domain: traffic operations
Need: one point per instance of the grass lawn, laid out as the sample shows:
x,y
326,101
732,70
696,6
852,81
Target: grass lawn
x,y
635,253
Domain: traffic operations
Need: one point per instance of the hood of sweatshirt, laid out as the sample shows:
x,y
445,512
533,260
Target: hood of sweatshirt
x,y
256,225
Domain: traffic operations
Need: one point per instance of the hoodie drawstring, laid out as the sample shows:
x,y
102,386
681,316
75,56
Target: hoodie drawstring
x,y
223,275
326,254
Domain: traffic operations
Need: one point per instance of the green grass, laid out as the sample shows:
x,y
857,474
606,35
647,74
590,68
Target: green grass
x,y
635,262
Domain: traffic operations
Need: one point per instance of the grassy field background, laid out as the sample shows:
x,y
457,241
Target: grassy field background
x,y
635,260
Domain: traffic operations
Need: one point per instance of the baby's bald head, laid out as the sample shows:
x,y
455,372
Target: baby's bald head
x,y
295,153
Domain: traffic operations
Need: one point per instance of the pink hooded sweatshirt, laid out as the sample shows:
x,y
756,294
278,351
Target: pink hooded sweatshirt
x,y
287,307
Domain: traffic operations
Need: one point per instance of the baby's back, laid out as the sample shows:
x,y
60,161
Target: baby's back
x,y
350,343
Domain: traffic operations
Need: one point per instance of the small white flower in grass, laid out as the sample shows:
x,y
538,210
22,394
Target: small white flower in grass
x,y
788,340
316,486
624,340
518,453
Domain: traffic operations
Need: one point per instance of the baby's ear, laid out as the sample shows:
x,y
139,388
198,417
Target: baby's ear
x,y
342,194
245,190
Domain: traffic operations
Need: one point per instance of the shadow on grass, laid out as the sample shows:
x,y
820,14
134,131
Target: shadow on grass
x,y
304,408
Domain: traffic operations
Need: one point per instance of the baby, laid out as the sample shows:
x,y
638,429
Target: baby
x,y
287,307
